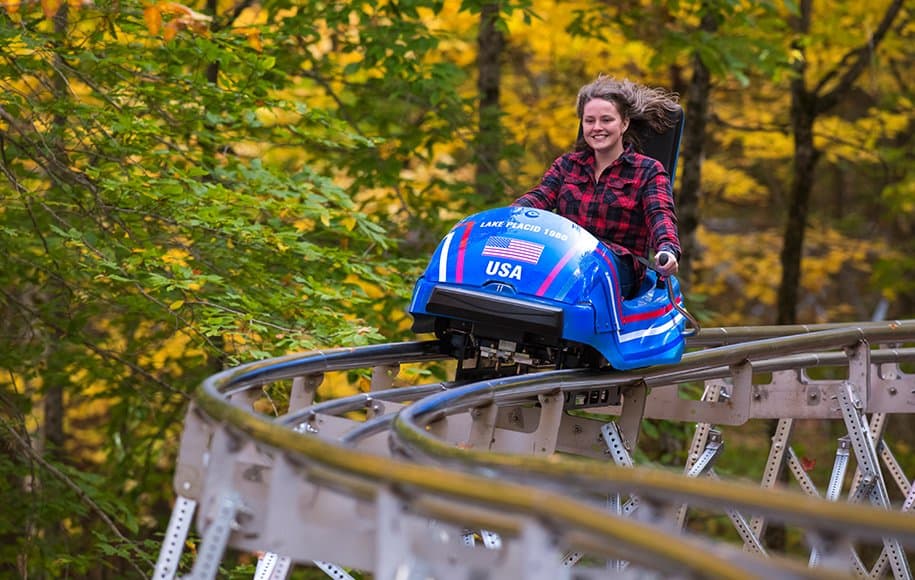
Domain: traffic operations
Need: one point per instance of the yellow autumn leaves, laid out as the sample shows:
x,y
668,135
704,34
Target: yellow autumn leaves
x,y
48,7
165,18
171,18
179,259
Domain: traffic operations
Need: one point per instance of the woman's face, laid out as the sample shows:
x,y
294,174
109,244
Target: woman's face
x,y
603,126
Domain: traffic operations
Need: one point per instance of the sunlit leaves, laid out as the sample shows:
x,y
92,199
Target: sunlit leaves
x,y
172,17
729,184
187,191
742,269
170,207
50,7
152,16
249,23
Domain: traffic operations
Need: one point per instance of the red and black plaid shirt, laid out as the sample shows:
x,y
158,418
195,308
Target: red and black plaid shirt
x,y
630,206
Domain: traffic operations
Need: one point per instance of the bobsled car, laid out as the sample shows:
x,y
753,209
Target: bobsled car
x,y
517,285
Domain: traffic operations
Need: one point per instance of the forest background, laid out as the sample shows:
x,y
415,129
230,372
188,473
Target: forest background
x,y
191,186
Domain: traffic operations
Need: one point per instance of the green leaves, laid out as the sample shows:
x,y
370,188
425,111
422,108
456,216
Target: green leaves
x,y
183,192
180,202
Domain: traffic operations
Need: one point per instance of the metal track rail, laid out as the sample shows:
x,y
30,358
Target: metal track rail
x,y
403,490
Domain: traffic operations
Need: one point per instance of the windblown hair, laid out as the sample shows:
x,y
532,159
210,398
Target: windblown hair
x,y
646,108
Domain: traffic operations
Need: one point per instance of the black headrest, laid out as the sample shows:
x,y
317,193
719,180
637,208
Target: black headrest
x,y
665,147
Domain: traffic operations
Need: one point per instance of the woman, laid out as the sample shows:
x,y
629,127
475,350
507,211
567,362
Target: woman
x,y
621,196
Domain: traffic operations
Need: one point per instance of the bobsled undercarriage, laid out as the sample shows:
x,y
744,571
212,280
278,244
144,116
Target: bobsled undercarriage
x,y
497,335
484,352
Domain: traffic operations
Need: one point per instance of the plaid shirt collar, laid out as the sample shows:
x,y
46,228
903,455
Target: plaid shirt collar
x,y
585,156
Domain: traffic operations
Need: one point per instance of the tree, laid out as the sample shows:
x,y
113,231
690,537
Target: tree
x,y
186,188
490,40
172,205
809,101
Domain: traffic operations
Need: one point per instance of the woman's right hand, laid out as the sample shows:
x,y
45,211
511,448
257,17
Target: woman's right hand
x,y
665,263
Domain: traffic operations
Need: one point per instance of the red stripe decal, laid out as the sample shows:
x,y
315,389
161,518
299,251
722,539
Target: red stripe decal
x,y
462,249
646,315
555,271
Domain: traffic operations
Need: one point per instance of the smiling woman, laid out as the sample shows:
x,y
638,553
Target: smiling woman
x,y
606,186
603,127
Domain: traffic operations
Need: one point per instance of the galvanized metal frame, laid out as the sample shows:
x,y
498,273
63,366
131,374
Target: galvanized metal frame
x,y
240,472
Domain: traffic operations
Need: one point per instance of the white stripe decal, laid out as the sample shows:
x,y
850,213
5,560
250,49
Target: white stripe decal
x,y
613,302
652,331
443,257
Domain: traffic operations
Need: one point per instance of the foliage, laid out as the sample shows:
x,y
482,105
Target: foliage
x,y
175,202
188,188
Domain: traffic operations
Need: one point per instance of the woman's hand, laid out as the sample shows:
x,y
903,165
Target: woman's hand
x,y
665,263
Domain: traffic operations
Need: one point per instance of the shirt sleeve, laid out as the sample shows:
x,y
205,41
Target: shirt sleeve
x,y
660,213
544,196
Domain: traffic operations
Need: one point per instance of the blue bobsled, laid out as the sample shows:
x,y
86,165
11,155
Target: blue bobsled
x,y
527,286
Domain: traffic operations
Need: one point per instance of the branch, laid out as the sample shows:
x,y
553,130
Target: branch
x,y
80,493
854,63
49,161
105,354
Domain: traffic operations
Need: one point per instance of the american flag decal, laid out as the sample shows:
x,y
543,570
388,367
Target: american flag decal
x,y
523,251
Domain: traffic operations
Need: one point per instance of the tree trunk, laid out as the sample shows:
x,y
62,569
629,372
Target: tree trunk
x,y
696,111
491,42
806,106
53,431
805,158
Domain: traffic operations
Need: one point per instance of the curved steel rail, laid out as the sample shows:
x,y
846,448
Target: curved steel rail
x,y
244,468
412,436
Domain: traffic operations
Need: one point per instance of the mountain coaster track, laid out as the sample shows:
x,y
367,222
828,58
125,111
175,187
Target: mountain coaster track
x,y
532,476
